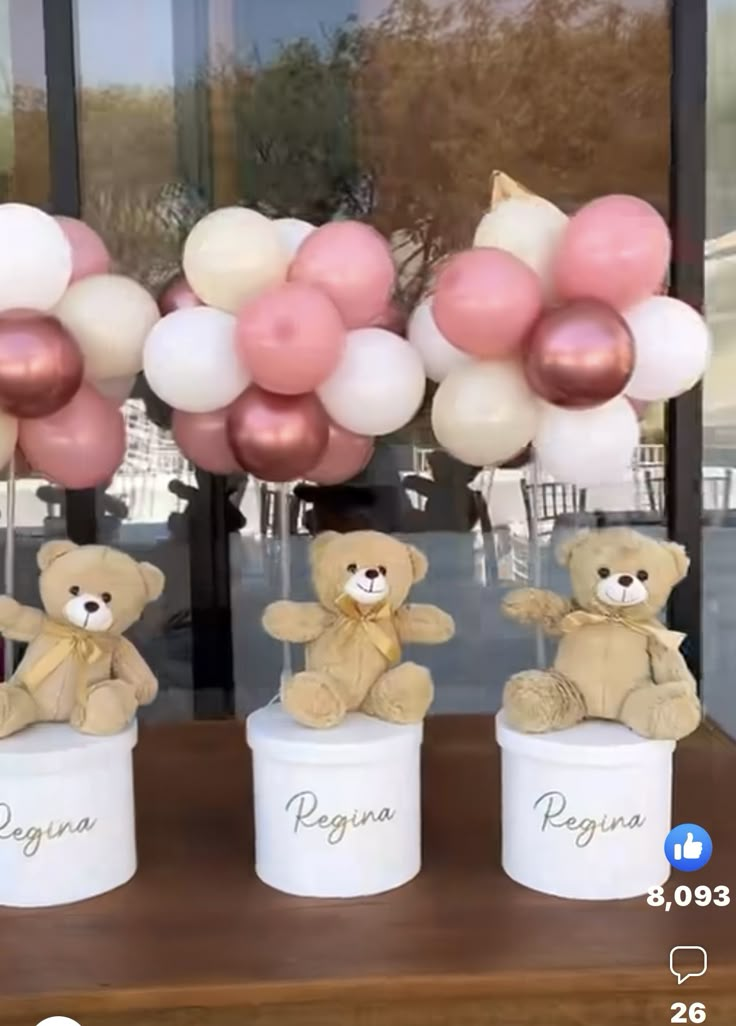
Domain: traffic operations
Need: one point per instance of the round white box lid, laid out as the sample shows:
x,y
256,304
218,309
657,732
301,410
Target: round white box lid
x,y
57,747
358,739
591,743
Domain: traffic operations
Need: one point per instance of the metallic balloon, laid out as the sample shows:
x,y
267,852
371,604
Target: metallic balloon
x,y
41,367
579,355
177,296
277,437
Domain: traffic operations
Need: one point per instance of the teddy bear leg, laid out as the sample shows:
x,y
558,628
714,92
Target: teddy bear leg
x,y
107,708
17,709
402,695
664,712
313,699
536,701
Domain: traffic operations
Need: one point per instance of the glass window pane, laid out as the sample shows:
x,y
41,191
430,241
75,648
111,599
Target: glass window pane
x,y
719,408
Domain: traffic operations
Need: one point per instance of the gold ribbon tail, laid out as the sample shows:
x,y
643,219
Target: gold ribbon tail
x,y
371,621
71,643
670,640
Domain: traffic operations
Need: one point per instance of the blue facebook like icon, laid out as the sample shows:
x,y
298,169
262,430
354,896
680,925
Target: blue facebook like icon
x,y
688,847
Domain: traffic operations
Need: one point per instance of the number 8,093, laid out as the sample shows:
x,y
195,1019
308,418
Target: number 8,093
x,y
684,896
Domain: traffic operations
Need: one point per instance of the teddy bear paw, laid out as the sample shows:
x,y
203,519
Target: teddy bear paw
x,y
535,701
402,695
109,708
17,709
312,701
663,712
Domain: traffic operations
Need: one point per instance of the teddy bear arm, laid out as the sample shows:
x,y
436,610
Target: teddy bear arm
x,y
545,609
130,666
669,665
424,625
297,622
17,622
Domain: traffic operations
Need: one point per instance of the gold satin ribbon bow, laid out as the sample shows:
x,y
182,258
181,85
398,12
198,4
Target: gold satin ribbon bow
x,y
368,619
72,642
670,640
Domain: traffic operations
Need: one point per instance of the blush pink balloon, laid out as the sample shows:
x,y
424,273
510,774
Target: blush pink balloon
x,y
290,338
485,301
615,249
89,252
177,296
350,262
345,456
79,446
202,437
277,437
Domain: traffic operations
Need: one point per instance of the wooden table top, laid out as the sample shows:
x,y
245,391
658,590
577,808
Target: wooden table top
x,y
195,929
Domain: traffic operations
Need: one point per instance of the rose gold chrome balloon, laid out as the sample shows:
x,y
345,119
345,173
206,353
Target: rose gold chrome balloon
x,y
579,355
41,367
277,437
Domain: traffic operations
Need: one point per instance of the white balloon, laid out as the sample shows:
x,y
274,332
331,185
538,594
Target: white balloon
x,y
233,254
116,389
673,346
484,412
529,228
190,362
35,259
378,385
293,232
438,355
110,317
588,447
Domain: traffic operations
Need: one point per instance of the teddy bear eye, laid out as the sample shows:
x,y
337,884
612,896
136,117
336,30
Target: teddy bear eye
x,y
106,597
604,572
351,568
74,590
382,571
642,575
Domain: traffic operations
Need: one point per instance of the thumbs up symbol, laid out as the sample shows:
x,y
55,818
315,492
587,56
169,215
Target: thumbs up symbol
x,y
689,850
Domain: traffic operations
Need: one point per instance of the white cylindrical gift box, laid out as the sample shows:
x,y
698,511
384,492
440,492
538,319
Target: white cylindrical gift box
x,y
67,817
337,812
585,811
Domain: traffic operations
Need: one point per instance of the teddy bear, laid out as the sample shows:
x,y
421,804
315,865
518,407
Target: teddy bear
x,y
78,667
615,659
354,632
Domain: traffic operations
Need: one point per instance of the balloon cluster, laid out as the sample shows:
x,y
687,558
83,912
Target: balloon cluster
x,y
553,331
71,343
272,349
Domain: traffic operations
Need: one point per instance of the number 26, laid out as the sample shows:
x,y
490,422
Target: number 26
x,y
682,1014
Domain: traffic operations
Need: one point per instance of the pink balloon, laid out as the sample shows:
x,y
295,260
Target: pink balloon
x,y
290,338
615,249
89,252
352,263
345,456
485,301
177,296
202,437
79,446
277,437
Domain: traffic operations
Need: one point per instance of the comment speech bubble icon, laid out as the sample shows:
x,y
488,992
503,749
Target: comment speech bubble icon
x,y
687,962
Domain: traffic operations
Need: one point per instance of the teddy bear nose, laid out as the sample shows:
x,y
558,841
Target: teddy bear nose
x,y
625,580
371,574
91,607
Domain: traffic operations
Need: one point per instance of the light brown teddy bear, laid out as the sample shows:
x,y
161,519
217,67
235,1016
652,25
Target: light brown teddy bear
x,y
353,634
78,667
615,660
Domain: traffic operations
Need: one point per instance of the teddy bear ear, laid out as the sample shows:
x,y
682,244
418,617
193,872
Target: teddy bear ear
x,y
419,563
153,579
52,550
319,543
680,557
566,549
